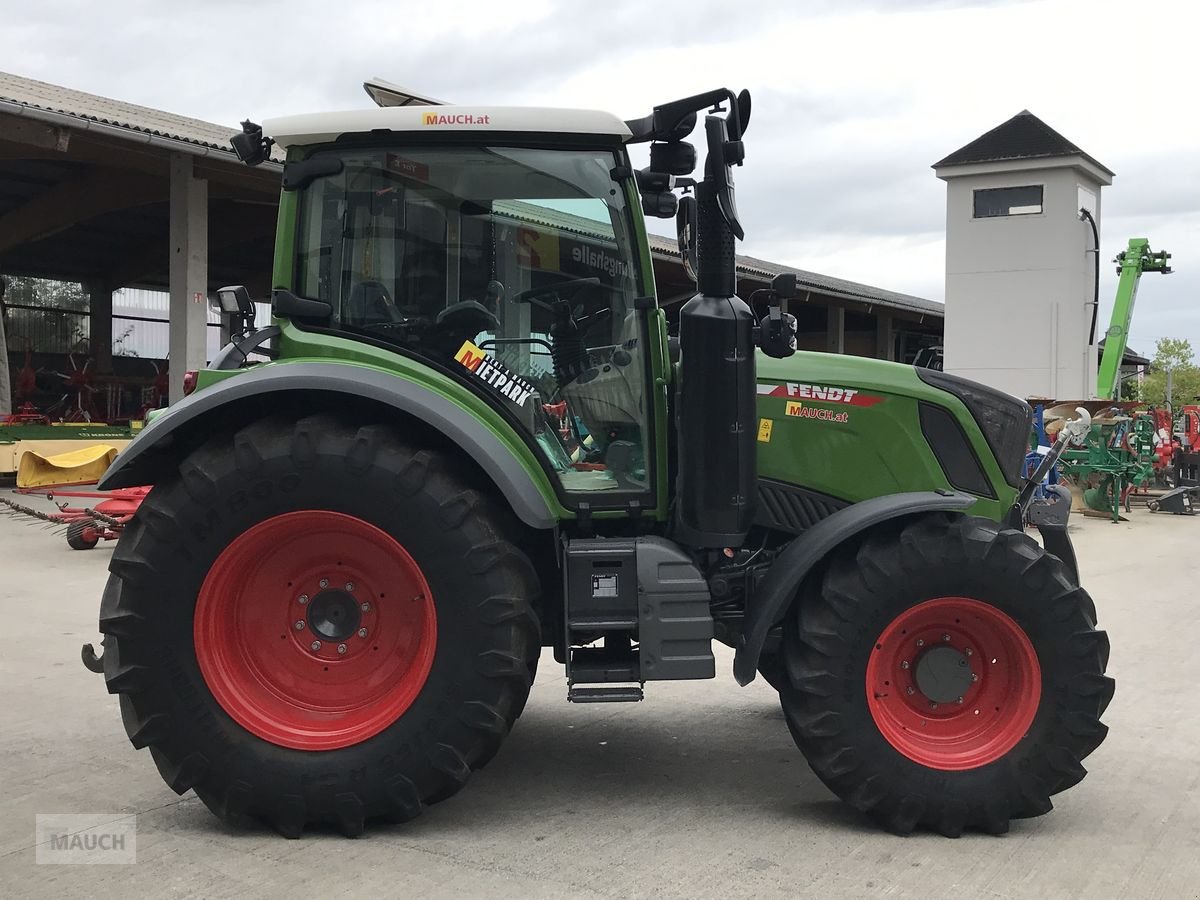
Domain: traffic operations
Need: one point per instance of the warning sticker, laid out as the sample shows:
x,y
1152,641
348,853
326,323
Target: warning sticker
x,y
764,430
493,373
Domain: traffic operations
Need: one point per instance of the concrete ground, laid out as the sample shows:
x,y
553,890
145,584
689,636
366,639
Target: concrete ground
x,y
696,792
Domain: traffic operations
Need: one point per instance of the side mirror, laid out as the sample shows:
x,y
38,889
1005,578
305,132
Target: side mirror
x,y
687,219
743,105
722,152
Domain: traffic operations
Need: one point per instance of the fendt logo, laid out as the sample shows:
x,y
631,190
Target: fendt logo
x,y
849,396
432,118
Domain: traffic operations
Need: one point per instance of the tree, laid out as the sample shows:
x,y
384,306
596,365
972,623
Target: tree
x,y
1172,355
49,315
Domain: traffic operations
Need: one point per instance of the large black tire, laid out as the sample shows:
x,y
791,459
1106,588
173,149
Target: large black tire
x,y
832,632
483,589
82,536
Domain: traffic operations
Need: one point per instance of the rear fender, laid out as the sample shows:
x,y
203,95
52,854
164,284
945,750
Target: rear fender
x,y
157,450
771,599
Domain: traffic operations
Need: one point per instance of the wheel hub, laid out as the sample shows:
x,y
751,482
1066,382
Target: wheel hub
x,y
315,630
333,615
953,683
943,674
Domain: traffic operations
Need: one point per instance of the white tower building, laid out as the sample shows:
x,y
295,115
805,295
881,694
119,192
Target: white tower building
x,y
1020,265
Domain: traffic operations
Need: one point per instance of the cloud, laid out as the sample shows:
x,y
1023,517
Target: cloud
x,y
854,99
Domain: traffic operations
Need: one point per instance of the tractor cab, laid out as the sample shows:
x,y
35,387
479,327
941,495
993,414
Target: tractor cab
x,y
513,265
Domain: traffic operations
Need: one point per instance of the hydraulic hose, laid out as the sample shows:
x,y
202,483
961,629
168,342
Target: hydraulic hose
x,y
1087,216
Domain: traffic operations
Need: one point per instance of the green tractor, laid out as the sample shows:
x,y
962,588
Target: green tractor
x,y
468,436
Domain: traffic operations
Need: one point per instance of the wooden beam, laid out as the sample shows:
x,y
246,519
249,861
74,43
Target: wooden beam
x,y
20,130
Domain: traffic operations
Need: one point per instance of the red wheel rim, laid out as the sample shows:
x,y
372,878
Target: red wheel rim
x,y
953,683
315,630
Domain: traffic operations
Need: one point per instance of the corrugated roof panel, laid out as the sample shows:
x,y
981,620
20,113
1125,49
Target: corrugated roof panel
x,y
92,107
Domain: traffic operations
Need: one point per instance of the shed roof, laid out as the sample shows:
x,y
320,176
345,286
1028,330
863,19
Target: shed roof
x,y
48,102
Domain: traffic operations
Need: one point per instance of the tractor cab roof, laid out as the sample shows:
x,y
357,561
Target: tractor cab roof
x,y
320,128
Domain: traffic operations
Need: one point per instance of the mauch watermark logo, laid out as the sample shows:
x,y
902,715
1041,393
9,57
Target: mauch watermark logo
x,y
433,118
69,839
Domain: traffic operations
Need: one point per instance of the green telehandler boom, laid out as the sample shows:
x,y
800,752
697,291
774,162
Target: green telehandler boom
x,y
1136,259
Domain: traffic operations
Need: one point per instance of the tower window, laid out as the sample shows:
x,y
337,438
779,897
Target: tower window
x,y
1011,201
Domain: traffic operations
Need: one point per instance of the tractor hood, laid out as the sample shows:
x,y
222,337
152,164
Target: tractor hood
x,y
898,429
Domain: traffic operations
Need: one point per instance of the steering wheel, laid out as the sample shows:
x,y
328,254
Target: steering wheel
x,y
467,315
571,285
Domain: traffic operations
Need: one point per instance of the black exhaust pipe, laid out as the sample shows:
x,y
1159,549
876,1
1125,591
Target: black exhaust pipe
x,y
716,399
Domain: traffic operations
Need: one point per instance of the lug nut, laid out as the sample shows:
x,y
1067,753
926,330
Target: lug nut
x,y
909,690
341,648
324,582
933,704
974,677
299,626
303,599
959,700
946,638
314,646
349,585
967,651
366,607
904,664
362,632
920,642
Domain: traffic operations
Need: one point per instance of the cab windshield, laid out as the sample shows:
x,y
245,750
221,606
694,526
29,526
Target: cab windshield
x,y
514,269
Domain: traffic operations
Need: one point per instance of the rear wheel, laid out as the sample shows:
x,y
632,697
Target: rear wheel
x,y
318,623
948,675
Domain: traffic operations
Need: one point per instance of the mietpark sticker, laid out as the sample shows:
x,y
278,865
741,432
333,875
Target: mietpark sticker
x,y
493,373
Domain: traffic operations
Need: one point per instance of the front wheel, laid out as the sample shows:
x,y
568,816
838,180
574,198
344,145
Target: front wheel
x,y
318,623
947,674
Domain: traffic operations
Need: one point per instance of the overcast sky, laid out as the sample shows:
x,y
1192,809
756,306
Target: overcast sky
x,y
853,100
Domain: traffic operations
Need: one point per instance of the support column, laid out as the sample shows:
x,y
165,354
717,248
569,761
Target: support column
x,y
5,386
100,325
189,272
885,343
835,329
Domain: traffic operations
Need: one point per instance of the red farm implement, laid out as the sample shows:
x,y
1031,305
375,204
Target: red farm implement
x,y
87,525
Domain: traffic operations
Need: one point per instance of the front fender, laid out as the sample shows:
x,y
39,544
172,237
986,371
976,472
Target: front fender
x,y
770,601
145,458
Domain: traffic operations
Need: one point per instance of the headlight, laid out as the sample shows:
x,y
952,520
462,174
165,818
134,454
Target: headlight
x,y
1004,420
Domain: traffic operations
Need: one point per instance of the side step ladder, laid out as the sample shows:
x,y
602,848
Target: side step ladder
x,y
636,611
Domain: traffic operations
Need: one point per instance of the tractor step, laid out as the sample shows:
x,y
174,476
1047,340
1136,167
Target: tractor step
x,y
604,694
603,665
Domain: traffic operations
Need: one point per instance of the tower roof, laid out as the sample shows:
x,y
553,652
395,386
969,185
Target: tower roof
x,y
1024,136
